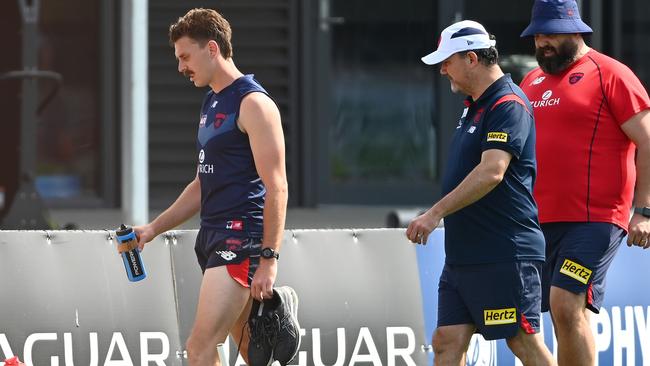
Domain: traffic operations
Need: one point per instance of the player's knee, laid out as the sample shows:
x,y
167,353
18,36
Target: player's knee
x,y
568,309
520,345
526,346
198,350
446,341
566,315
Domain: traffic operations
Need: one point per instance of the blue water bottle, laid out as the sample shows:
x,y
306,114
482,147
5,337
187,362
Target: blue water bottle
x,y
128,248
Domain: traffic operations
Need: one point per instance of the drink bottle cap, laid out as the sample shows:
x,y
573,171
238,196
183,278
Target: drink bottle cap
x,y
123,230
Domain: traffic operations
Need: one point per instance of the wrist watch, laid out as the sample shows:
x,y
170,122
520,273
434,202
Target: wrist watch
x,y
269,253
643,211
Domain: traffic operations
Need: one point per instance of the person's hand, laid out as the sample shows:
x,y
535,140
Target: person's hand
x,y
264,278
639,232
144,234
420,228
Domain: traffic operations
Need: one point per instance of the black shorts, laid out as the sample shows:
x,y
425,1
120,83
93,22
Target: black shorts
x,y
499,299
578,255
238,251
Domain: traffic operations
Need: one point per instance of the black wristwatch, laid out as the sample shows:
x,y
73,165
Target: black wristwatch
x,y
643,211
269,253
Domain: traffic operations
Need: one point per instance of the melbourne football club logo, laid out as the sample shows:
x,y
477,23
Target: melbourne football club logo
x,y
218,119
538,80
201,156
547,94
202,120
481,352
575,77
478,115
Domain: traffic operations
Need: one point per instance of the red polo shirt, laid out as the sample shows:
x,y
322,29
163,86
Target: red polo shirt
x,y
586,170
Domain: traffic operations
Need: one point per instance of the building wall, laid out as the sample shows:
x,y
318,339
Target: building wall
x,y
326,62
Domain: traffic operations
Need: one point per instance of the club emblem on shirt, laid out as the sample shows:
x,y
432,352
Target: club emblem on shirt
x,y
538,80
218,119
202,120
478,115
547,94
575,77
201,156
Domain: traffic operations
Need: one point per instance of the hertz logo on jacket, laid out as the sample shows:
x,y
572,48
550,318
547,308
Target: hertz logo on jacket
x,y
497,136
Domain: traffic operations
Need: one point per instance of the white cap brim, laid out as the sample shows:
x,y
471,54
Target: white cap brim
x,y
448,46
436,57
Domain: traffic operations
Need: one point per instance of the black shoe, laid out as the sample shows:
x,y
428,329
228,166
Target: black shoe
x,y
288,336
274,329
261,327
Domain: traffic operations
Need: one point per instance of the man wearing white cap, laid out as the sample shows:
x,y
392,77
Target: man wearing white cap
x,y
593,133
494,247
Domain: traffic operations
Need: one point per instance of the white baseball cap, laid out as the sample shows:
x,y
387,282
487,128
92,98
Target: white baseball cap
x,y
465,35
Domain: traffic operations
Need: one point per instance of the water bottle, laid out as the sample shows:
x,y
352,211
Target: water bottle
x,y
128,248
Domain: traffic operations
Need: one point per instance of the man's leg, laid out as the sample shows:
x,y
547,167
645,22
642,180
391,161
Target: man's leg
x,y
450,343
531,349
239,332
572,328
221,302
577,284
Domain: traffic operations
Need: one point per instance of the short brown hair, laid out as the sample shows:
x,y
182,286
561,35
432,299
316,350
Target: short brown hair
x,y
203,25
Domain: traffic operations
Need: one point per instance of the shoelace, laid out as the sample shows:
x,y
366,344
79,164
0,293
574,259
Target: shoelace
x,y
264,329
287,324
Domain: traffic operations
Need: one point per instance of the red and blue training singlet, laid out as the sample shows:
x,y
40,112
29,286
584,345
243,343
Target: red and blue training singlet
x,y
232,193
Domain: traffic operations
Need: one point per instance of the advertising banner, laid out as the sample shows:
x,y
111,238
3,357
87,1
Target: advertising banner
x,y
66,300
367,297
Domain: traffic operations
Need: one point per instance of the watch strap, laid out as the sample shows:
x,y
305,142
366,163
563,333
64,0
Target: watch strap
x,y
643,211
270,253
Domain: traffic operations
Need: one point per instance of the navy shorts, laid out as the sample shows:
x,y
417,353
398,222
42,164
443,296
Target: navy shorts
x,y
499,298
578,255
238,251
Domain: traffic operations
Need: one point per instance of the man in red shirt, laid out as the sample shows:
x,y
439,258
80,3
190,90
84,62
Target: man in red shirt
x,y
591,115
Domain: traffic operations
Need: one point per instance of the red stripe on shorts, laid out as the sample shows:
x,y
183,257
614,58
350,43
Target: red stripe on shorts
x,y
590,294
525,325
239,272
